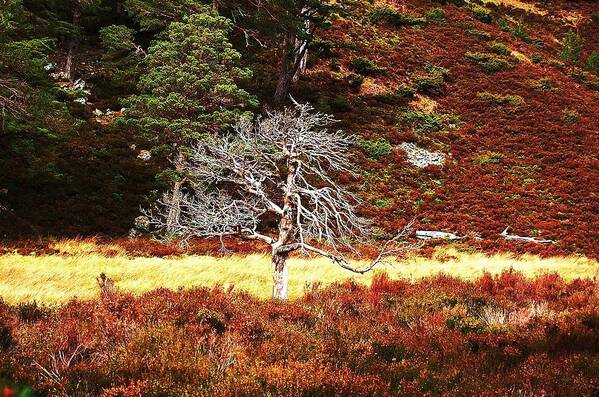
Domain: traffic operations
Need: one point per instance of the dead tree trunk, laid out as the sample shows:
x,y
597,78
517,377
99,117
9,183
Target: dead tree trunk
x,y
175,199
73,46
279,274
301,47
280,248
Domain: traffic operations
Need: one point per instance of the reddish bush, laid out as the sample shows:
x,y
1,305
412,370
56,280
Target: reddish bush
x,y
494,336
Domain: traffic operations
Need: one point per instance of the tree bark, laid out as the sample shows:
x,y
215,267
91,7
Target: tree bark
x,y
69,68
287,71
174,206
279,275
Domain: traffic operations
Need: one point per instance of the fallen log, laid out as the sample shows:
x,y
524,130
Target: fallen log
x,y
431,234
535,240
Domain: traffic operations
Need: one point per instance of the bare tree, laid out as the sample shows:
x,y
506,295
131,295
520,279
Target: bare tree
x,y
278,169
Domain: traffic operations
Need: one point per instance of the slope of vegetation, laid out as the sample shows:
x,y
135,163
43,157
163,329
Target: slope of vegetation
x,y
512,78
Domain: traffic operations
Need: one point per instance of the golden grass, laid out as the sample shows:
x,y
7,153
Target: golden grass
x,y
519,4
53,279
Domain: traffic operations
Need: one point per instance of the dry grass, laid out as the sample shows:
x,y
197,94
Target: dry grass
x,y
58,278
519,5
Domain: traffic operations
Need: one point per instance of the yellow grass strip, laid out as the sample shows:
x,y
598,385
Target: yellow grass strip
x,y
57,279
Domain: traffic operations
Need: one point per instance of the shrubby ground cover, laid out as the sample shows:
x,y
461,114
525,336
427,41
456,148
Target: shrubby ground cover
x,y
498,335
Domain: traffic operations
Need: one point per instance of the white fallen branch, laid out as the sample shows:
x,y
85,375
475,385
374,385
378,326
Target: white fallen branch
x,y
536,240
431,234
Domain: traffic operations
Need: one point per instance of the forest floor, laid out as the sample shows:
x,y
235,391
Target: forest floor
x,y
69,270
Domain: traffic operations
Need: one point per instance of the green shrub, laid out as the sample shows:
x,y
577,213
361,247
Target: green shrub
x,y
480,34
488,158
571,47
355,80
514,100
488,62
398,96
421,121
586,78
340,104
544,84
433,69
556,64
117,40
376,148
394,18
458,3
535,57
428,83
335,65
382,203
435,15
570,116
517,30
592,62
481,13
432,81
365,67
499,48
324,48
520,32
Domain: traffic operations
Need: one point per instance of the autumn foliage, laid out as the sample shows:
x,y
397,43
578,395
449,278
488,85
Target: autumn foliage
x,y
503,335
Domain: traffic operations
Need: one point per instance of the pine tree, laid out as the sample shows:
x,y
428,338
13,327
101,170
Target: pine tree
x,y
189,88
155,15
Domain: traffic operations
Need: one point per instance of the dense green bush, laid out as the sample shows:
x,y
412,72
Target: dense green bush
x,y
592,62
376,148
421,121
340,104
435,15
544,84
488,62
399,95
355,81
428,83
394,17
517,30
499,48
365,67
432,81
480,34
588,79
571,47
514,100
570,116
481,13
458,3
488,158
324,48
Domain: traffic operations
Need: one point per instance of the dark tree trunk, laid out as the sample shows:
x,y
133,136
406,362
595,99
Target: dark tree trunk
x,y
120,9
293,59
286,72
73,46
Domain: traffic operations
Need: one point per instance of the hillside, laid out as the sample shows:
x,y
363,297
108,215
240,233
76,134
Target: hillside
x,y
484,91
